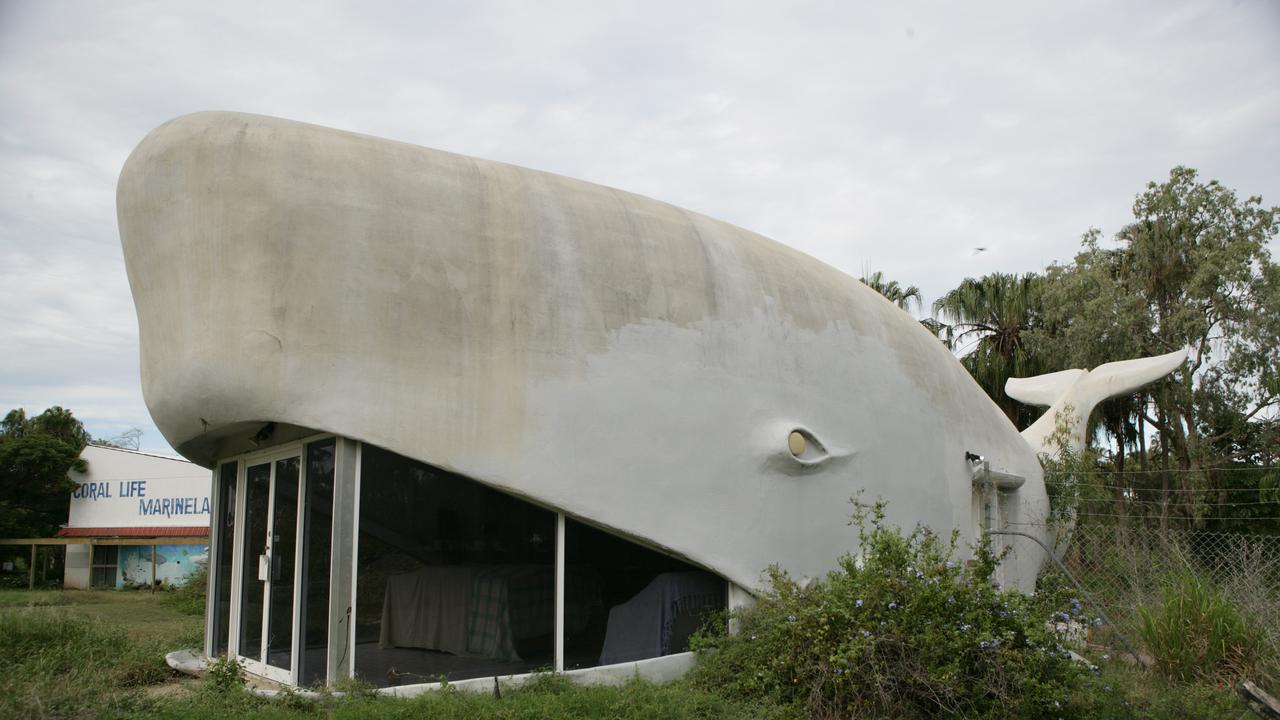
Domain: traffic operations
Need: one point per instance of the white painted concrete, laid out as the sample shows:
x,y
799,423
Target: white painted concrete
x,y
124,488
605,354
1071,396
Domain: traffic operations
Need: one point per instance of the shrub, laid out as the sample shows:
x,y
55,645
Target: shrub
x,y
1195,633
904,630
225,675
189,598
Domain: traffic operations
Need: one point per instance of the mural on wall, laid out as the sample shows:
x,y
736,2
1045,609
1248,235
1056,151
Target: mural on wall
x,y
173,564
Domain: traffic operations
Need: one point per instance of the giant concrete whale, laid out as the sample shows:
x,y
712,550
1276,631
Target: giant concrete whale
x,y
686,383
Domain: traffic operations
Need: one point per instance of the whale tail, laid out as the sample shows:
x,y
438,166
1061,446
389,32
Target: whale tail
x,y
1071,396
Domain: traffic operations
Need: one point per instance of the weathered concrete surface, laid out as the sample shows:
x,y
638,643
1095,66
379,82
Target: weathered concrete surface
x,y
605,354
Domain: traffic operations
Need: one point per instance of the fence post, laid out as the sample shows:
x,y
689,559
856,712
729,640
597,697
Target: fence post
x,y
153,569
31,569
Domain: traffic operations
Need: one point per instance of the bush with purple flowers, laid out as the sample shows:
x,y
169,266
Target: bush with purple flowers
x,y
910,628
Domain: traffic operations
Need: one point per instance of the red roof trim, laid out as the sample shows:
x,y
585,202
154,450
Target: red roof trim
x,y
201,531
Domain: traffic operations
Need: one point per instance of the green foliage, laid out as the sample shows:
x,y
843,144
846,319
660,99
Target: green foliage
x,y
1121,692
35,456
903,297
903,630
225,675
1192,270
56,664
545,696
1198,634
995,313
189,598
1074,481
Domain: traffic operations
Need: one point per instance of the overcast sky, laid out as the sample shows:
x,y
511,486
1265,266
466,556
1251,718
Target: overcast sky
x,y
884,136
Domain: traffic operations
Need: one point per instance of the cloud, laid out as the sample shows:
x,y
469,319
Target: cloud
x,y
894,137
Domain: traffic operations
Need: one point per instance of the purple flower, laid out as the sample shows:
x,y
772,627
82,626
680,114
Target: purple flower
x,y
893,606
857,603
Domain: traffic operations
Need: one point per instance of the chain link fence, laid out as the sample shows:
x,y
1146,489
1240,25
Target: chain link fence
x,y
1124,568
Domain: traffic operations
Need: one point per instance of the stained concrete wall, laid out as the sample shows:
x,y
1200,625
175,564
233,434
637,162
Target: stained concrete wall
x,y
602,353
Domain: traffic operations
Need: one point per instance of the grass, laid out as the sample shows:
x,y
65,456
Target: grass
x,y
82,654
99,654
546,697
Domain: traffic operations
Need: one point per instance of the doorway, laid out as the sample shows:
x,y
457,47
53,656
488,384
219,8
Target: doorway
x,y
269,516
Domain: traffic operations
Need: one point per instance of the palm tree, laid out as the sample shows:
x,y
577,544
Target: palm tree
x,y
903,297
992,313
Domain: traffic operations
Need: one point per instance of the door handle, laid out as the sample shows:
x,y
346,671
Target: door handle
x,y
264,567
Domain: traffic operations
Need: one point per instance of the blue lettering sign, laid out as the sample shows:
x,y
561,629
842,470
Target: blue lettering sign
x,y
168,507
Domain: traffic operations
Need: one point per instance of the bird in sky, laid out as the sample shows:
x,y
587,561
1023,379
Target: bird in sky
x,y
978,250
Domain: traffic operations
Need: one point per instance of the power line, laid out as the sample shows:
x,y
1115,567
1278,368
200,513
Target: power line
x,y
1177,517
1129,501
1169,471
1173,490
1166,470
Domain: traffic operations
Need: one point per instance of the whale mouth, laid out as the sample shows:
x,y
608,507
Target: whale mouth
x,y
446,577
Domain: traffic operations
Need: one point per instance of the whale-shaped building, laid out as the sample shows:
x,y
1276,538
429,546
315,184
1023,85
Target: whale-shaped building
x,y
467,419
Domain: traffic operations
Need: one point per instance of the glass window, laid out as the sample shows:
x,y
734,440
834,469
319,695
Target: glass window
x,y
454,579
257,495
104,566
106,554
317,531
224,528
283,556
625,602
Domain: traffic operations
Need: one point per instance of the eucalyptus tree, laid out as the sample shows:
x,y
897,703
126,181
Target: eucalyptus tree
x,y
1192,270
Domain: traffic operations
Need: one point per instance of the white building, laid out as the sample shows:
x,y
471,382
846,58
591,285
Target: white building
x,y
468,420
141,517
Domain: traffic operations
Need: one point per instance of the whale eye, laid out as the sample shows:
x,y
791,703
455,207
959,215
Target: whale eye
x,y
790,448
796,443
805,448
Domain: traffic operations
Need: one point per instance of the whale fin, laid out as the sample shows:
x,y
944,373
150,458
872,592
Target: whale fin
x,y
1072,394
1043,390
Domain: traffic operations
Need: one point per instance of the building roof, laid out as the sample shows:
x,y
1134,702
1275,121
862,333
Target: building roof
x,y
140,452
152,531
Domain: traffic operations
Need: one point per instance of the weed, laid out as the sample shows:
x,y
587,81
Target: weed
x,y
189,598
225,675
1195,633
